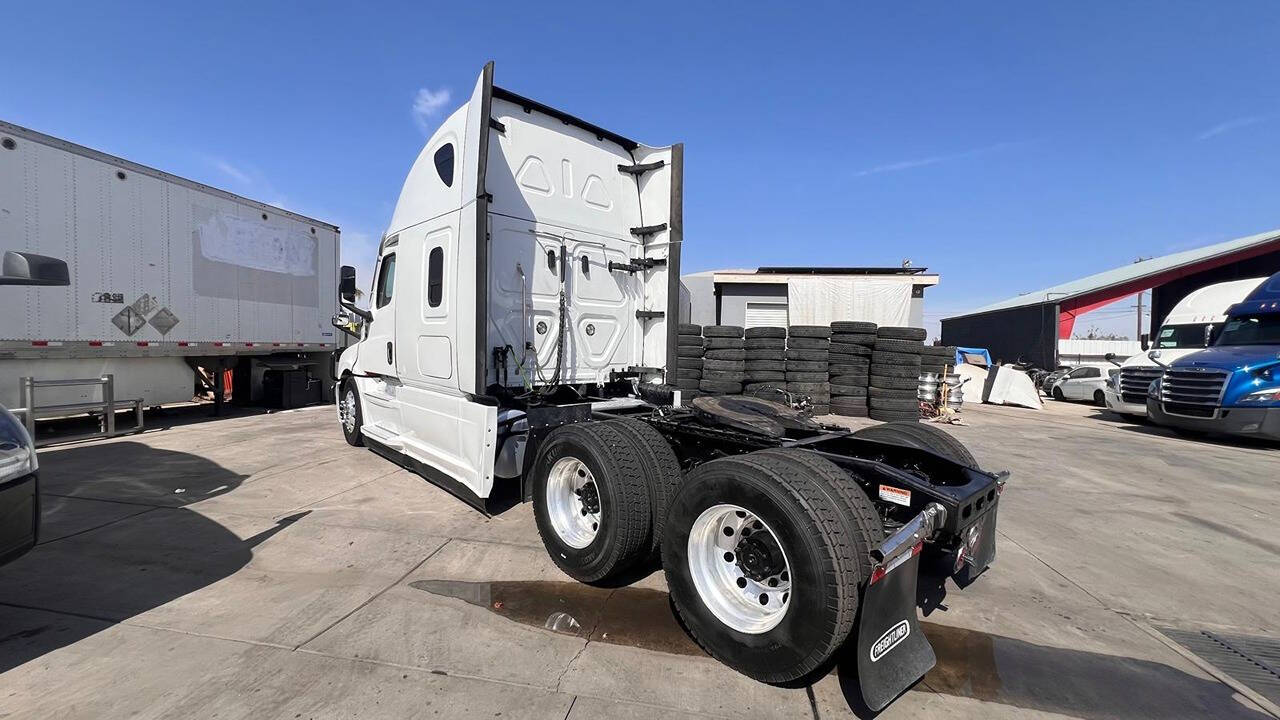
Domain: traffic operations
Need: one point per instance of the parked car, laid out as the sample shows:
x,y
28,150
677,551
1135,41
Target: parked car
x,y
19,485
1083,383
1046,379
19,489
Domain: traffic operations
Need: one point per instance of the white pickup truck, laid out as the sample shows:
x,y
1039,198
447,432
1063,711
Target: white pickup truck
x,y
522,341
1188,328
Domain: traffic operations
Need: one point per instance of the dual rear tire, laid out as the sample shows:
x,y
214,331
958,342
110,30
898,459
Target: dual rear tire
x,y
765,554
600,496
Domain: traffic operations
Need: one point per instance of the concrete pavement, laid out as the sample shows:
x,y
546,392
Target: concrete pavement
x,y
258,567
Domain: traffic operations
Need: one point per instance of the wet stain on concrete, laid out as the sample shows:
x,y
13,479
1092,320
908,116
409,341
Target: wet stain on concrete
x,y
637,617
971,664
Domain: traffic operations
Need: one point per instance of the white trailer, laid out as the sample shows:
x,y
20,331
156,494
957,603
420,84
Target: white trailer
x,y
166,274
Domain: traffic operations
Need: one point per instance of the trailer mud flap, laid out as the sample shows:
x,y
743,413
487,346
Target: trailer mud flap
x,y
893,652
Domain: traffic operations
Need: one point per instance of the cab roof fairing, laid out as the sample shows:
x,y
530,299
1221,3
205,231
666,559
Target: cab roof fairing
x,y
421,195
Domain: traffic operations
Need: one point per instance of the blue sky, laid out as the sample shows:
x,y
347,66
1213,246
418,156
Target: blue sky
x,y
1008,146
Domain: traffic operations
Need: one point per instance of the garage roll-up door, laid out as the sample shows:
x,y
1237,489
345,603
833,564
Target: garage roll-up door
x,y
766,314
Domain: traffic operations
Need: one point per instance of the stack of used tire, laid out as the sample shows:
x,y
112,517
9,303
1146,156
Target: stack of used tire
x,y
849,366
689,350
723,366
937,358
895,374
808,352
765,349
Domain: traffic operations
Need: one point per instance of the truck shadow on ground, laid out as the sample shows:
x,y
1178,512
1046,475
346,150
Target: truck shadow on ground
x,y
1143,426
116,542
971,664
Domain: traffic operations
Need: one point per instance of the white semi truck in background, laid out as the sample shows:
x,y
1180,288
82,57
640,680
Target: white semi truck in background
x,y
1188,328
166,276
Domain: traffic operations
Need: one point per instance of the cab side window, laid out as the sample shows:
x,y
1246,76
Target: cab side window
x,y
435,277
386,280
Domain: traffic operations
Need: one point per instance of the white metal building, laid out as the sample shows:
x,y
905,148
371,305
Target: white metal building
x,y
805,296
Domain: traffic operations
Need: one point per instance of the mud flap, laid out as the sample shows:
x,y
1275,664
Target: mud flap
x,y
893,652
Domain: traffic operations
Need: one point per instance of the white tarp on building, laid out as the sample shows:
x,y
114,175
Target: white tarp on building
x,y
823,300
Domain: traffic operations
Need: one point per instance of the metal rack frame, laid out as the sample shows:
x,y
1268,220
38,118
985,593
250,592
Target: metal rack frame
x,y
30,411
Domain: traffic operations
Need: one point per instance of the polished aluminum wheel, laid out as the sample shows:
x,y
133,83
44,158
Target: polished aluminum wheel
x,y
573,502
347,411
739,569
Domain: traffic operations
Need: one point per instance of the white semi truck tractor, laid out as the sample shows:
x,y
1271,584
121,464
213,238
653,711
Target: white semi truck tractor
x,y
521,341
1189,327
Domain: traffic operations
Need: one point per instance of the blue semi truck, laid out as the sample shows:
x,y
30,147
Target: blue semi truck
x,y
1233,386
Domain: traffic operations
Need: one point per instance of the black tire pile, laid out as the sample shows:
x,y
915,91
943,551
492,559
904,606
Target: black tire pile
x,y
689,350
765,349
936,358
849,365
895,374
723,360
808,353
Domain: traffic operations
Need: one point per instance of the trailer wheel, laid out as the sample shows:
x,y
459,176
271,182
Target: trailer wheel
x,y
661,470
760,564
923,437
349,413
591,500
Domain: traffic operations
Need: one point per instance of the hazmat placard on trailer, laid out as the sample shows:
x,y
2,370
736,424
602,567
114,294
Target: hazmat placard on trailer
x,y
895,495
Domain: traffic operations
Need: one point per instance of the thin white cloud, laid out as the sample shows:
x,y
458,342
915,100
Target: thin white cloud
x,y
427,104
1230,125
232,172
935,159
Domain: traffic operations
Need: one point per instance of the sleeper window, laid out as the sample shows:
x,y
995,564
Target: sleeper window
x,y
387,280
435,277
444,163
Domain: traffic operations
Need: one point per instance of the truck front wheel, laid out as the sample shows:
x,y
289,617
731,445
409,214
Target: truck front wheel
x,y
591,501
760,564
349,413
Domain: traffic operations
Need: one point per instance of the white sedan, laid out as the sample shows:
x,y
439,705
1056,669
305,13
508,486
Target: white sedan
x,y
1083,383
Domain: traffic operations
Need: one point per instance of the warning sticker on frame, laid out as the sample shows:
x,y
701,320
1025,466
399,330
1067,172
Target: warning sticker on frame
x,y
895,495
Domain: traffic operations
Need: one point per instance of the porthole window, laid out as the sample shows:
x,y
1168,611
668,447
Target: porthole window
x,y
444,163
8,143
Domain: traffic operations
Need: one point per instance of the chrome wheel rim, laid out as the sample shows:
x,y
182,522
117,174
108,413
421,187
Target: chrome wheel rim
x,y
744,582
347,411
573,502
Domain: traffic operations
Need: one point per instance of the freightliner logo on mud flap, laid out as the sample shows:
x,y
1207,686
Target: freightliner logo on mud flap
x,y
890,639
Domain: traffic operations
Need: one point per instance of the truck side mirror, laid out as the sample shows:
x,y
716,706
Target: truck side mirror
x,y
347,283
23,268
1145,339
